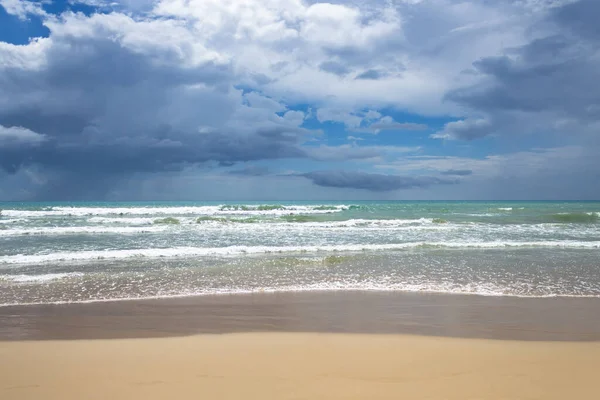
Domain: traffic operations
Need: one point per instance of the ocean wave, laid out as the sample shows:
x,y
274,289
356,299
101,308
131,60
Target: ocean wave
x,y
80,230
304,220
167,221
121,220
39,278
307,221
469,289
377,222
189,210
243,250
578,217
12,220
255,225
382,223
229,220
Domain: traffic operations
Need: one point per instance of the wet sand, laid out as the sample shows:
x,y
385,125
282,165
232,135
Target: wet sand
x,y
548,319
303,346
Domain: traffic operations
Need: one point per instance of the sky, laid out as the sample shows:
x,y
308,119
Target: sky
x,y
299,100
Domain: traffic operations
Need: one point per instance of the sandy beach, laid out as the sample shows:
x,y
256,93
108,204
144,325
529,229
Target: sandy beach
x,y
298,366
303,346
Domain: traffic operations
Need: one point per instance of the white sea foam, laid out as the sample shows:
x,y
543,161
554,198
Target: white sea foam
x,y
480,289
39,278
241,250
12,220
121,220
370,222
137,221
482,214
220,221
276,223
80,230
189,210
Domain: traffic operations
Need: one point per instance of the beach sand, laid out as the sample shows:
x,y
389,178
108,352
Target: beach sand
x,y
310,346
298,366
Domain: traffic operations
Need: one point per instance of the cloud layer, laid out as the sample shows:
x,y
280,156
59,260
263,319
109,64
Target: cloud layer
x,y
375,182
268,89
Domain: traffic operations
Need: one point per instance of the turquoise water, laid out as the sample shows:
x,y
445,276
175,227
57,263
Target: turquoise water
x,y
71,252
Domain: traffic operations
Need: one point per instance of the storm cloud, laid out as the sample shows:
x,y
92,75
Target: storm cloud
x,y
373,182
151,90
457,172
93,104
549,84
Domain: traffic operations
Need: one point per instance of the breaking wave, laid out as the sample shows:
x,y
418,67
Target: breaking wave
x,y
39,278
79,230
584,217
241,250
265,209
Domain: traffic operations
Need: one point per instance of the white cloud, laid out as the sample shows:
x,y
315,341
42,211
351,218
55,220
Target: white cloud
x,y
366,122
166,41
23,8
353,151
349,119
467,129
294,117
290,41
24,57
17,135
287,42
521,165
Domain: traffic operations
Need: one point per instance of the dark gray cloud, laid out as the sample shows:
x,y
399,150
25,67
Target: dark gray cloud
x,y
397,126
457,172
371,74
251,170
97,108
343,152
139,154
334,67
550,74
536,87
373,182
580,17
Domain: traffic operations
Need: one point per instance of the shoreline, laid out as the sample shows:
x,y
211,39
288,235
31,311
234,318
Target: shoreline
x,y
294,291
358,345
359,312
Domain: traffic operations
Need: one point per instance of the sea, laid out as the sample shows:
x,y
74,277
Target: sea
x,y
103,251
